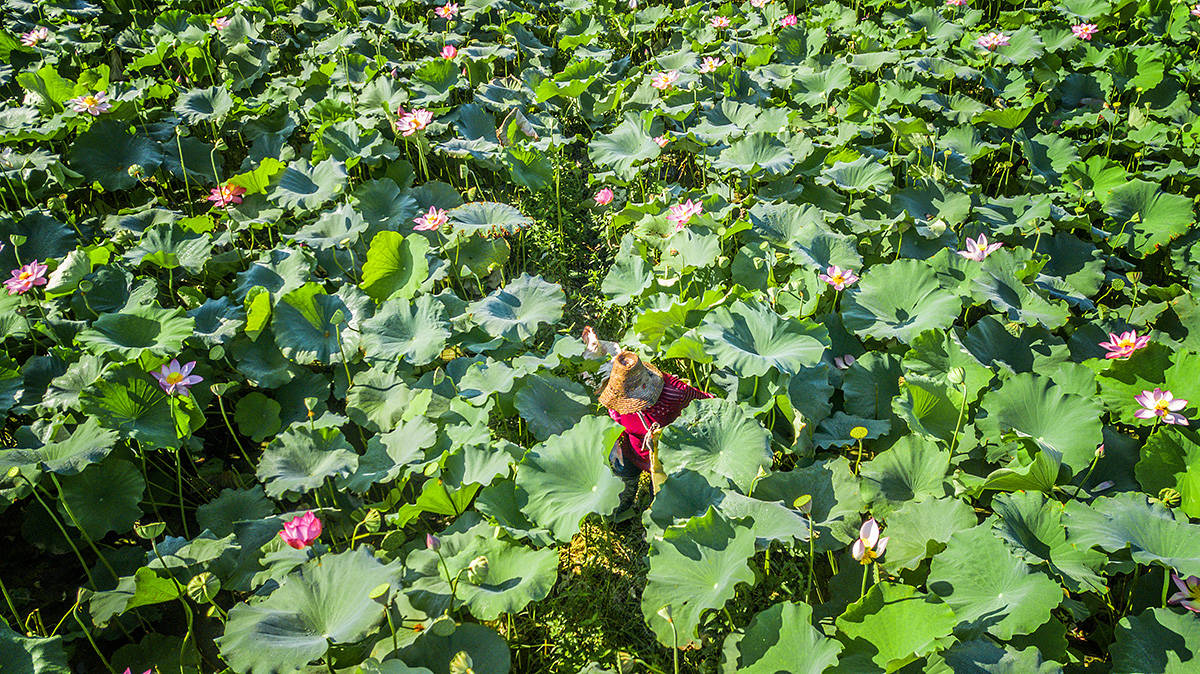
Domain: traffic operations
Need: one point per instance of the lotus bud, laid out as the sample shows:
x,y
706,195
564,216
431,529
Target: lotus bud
x,y
1169,497
1107,484
1100,451
956,375
477,572
203,587
432,542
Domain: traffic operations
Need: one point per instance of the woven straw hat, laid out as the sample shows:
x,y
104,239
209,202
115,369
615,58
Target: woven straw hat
x,y
632,386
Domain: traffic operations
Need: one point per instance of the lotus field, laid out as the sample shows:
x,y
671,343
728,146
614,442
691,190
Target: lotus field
x,y
292,319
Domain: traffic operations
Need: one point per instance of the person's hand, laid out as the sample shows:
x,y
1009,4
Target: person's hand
x,y
591,342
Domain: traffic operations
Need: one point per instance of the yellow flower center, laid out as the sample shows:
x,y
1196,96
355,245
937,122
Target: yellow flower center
x,y
24,275
1161,405
174,377
869,555
89,101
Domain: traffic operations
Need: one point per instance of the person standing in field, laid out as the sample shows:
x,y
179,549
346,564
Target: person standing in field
x,y
642,399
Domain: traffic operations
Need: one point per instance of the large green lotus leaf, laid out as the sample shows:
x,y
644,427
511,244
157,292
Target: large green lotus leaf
x,y
719,440
1032,525
389,454
341,227
936,352
870,384
144,588
415,332
1151,532
103,498
301,458
997,281
515,311
194,160
232,506
1034,407
1159,641
753,339
380,399
105,152
989,588
433,652
257,416
313,327
45,237
396,265
834,431
810,394
516,575
920,529
627,145
477,256
305,187
835,499
815,86
1152,216
911,469
130,401
629,275
896,624
551,404
1033,349
567,477
487,217
694,567
204,105
138,330
861,175
983,656
327,600
754,153
32,655
168,246
899,300
383,204
930,407
86,445
780,639
1171,459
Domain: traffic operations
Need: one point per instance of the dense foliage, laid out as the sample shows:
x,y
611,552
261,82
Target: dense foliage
x,y
291,357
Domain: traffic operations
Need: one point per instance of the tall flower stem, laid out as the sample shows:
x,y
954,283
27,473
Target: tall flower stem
x,y
179,466
863,590
88,539
62,529
962,409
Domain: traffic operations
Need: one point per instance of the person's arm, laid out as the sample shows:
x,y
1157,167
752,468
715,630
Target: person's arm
x,y
596,348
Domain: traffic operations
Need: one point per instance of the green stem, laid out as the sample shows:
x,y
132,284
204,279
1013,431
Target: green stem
x,y
962,408
8,600
862,592
88,539
62,529
87,633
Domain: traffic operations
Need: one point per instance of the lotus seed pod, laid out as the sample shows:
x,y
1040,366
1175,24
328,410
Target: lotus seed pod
x,y
149,531
461,664
1169,497
444,626
203,587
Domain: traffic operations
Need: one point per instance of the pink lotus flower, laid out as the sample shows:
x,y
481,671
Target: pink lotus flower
x,y
844,362
412,122
710,63
604,197
662,140
759,4
719,22
92,104
1084,31
1160,403
302,531
789,21
220,22
447,11
681,213
957,3
33,37
1188,595
978,249
432,542
838,278
175,379
1196,10
665,80
226,194
1123,345
992,40
26,277
869,545
449,52
433,219
128,671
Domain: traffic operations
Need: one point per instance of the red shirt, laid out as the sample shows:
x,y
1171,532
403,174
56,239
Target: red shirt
x,y
674,397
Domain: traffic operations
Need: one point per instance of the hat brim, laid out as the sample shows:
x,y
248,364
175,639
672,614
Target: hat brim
x,y
633,399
